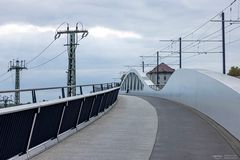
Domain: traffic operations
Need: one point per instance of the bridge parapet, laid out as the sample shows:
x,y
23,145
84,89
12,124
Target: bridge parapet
x,y
34,95
27,130
214,94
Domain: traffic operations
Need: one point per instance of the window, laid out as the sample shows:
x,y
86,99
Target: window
x,y
165,78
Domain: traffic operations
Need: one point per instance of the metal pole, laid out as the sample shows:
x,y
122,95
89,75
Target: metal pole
x,y
157,68
34,98
81,92
17,86
72,42
180,52
143,66
71,64
17,66
63,93
223,44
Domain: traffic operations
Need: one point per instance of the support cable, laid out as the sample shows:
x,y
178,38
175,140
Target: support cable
x,y
3,80
39,54
3,74
46,62
198,28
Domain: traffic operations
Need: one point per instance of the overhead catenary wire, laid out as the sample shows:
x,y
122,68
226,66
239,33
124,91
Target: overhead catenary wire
x,y
39,54
39,65
212,48
48,61
3,74
206,36
3,80
229,43
44,49
205,23
199,27
210,35
203,36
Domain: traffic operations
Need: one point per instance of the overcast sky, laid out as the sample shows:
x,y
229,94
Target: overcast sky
x,y
119,32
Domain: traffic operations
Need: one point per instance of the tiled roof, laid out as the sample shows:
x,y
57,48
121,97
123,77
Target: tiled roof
x,y
162,68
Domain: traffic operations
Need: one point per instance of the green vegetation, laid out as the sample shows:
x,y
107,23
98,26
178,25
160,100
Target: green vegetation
x,y
234,71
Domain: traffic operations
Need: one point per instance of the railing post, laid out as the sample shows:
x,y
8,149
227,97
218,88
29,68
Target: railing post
x,y
93,88
81,90
60,123
63,93
34,98
102,87
80,110
100,105
107,100
32,128
92,106
107,86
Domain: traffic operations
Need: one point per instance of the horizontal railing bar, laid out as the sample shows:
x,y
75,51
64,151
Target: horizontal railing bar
x,y
51,102
50,88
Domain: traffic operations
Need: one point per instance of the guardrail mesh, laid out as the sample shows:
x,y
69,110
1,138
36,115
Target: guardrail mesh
x,y
23,130
14,132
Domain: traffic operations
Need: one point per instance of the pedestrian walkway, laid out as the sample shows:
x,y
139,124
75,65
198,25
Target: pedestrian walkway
x,y
145,128
184,135
127,132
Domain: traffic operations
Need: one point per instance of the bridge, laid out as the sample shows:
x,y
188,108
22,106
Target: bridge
x,y
195,116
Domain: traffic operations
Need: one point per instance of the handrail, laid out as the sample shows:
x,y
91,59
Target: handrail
x,y
30,129
49,103
58,87
95,88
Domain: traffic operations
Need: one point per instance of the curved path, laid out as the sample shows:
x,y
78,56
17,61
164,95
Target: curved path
x,y
127,132
184,135
134,130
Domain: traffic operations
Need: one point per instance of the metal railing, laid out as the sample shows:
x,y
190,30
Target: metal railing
x,y
26,127
156,87
61,91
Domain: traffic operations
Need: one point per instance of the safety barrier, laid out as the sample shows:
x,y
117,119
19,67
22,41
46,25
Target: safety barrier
x,y
26,127
33,94
213,94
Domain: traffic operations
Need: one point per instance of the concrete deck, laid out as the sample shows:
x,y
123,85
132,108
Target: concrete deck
x,y
127,132
131,129
184,135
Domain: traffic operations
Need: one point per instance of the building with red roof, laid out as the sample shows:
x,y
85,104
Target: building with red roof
x,y
163,71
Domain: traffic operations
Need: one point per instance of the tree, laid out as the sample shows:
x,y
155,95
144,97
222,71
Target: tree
x,y
234,71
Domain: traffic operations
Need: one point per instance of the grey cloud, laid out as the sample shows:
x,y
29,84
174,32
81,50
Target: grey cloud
x,y
153,19
142,16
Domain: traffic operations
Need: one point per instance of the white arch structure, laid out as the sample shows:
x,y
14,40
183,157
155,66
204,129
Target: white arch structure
x,y
216,95
135,81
